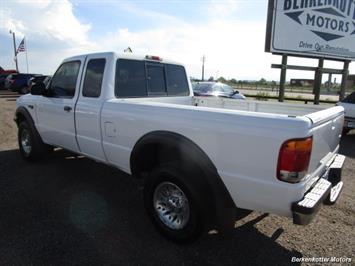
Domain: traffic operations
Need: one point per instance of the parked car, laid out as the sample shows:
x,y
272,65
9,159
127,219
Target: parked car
x,y
19,82
216,89
349,105
7,71
2,81
38,79
8,81
201,158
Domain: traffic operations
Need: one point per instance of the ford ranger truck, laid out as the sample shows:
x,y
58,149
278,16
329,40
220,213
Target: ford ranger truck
x,y
203,159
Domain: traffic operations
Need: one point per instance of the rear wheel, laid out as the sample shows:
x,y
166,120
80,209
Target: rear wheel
x,y
173,204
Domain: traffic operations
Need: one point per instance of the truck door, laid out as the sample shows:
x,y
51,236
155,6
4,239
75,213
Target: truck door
x,y
88,108
55,111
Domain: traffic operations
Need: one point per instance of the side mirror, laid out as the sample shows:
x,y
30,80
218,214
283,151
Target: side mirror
x,y
38,89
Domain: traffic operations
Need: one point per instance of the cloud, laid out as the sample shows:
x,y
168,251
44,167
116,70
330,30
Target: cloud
x,y
53,19
222,9
234,48
151,15
52,30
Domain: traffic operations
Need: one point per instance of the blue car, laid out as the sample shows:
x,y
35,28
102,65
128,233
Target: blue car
x,y
19,82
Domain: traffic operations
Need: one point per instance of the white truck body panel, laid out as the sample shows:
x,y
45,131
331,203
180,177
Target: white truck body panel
x,y
242,138
56,126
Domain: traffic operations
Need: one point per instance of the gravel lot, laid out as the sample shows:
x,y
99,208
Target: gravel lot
x,y
70,210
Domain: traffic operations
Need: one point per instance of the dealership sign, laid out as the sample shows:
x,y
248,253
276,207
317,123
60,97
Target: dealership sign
x,y
316,28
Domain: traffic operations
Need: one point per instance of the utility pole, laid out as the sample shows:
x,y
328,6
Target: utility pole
x,y
203,67
14,41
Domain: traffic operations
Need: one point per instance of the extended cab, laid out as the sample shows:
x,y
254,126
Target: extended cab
x,y
203,159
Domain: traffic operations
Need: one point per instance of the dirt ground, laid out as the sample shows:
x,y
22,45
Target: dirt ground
x,y
69,210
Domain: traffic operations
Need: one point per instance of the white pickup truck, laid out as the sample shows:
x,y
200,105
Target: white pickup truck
x,y
203,159
349,105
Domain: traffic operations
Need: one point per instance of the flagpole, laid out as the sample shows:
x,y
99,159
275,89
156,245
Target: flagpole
x,y
15,51
26,53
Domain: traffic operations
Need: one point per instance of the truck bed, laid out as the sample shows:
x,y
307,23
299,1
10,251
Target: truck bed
x,y
259,106
284,119
286,109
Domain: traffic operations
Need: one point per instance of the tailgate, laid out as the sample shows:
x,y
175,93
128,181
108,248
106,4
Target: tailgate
x,y
326,130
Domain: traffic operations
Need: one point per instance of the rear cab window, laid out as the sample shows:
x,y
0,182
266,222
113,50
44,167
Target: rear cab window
x,y
136,78
156,85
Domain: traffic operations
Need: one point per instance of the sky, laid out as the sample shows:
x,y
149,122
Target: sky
x,y
230,33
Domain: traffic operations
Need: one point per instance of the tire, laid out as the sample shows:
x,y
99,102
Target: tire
x,y
345,131
23,90
185,222
30,143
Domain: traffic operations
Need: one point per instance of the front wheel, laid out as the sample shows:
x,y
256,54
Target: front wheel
x,y
24,90
30,144
172,204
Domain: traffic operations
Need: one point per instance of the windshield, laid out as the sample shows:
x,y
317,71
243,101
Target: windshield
x,y
227,89
219,88
203,87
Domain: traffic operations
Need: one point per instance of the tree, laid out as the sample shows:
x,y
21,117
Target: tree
x,y
222,79
262,81
233,81
211,78
273,84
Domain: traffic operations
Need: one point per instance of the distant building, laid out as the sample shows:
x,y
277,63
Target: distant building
x,y
350,82
302,82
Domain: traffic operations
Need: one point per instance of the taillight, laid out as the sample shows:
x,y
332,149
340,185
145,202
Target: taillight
x,y
294,157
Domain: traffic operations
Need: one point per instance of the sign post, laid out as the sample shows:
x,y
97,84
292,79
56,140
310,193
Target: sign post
x,y
318,81
343,79
283,78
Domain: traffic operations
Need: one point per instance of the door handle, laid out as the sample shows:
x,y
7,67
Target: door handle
x,y
67,108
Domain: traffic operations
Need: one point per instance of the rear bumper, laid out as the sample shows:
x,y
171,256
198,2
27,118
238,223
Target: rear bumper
x,y
326,190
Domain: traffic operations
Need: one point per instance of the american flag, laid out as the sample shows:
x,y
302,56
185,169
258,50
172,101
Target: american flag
x,y
21,47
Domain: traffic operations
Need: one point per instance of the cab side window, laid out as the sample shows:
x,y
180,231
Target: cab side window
x,y
93,78
63,83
